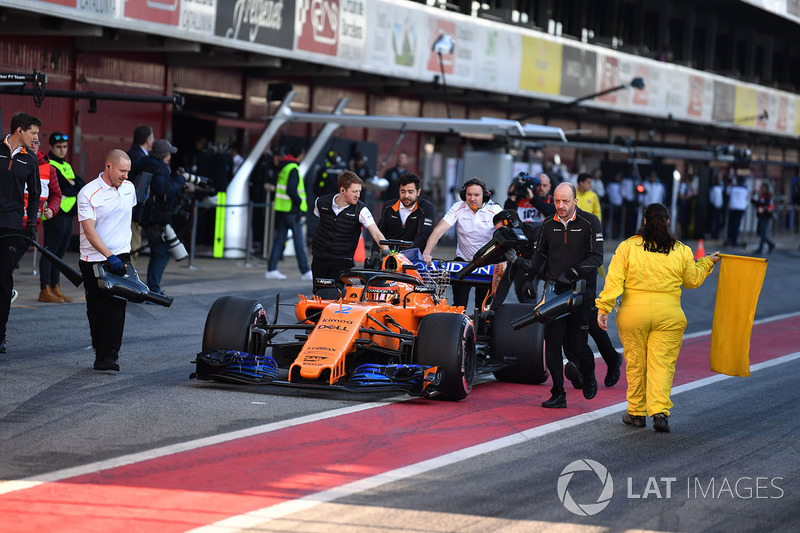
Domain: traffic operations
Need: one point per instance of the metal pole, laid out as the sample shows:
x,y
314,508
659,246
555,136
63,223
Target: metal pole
x,y
444,85
248,235
194,235
270,225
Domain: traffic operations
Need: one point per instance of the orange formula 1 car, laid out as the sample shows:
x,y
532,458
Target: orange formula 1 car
x,y
387,329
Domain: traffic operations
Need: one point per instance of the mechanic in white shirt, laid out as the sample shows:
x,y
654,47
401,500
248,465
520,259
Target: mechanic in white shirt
x,y
104,212
739,199
716,211
474,227
654,192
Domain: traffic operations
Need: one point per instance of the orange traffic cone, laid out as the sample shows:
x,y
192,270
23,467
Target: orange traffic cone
x,y
701,250
361,253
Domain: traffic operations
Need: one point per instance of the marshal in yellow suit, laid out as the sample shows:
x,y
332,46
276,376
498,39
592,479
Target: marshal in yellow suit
x,y
650,319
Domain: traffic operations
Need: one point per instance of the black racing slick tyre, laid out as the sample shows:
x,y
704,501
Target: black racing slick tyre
x,y
447,340
523,347
228,323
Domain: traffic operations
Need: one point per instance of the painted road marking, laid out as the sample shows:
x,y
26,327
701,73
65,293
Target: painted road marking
x,y
255,518
13,485
207,485
99,466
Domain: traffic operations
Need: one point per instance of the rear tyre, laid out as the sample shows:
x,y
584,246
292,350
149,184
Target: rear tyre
x,y
228,323
447,340
525,346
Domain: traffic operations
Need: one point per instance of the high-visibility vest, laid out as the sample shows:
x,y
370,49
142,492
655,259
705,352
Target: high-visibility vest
x,y
66,170
283,202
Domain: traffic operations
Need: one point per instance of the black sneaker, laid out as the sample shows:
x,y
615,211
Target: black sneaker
x,y
613,372
556,401
3,346
661,423
106,364
590,388
638,421
573,373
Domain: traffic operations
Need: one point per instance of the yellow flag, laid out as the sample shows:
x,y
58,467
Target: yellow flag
x,y
740,280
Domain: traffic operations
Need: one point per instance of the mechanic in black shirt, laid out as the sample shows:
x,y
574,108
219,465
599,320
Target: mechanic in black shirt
x,y
409,217
18,169
570,247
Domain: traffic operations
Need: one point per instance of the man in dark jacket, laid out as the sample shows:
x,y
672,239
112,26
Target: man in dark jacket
x,y
18,169
393,177
407,217
570,247
341,218
142,143
165,191
290,206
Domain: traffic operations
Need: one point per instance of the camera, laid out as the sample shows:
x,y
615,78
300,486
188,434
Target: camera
x,y
176,247
522,184
194,179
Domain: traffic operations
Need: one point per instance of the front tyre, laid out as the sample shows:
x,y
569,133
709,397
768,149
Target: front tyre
x,y
447,340
228,323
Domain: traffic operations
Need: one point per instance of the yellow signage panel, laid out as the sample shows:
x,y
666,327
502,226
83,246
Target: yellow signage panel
x,y
541,66
746,100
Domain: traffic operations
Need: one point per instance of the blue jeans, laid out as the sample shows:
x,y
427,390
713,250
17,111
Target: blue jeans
x,y
283,223
763,231
159,257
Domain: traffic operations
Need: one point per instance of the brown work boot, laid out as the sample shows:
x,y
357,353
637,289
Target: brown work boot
x,y
48,296
57,291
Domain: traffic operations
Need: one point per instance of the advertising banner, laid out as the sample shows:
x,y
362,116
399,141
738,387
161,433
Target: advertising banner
x,y
436,27
498,58
160,11
578,71
101,8
745,109
198,16
724,101
541,65
269,22
608,78
396,39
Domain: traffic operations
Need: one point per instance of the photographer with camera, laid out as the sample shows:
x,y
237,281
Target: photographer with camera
x,y
530,198
162,202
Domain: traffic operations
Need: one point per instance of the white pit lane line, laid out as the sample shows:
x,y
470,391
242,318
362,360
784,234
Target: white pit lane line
x,y
124,460
58,475
281,510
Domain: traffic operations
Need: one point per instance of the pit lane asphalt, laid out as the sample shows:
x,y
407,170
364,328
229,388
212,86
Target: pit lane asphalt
x,y
56,412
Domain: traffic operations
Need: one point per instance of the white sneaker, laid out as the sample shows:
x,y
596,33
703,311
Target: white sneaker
x,y
14,295
308,276
274,274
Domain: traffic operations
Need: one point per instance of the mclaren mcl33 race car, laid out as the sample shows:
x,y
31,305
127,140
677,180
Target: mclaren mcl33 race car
x,y
379,329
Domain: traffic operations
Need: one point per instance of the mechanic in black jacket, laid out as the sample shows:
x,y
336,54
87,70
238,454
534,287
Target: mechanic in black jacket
x,y
409,217
570,247
341,218
18,168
